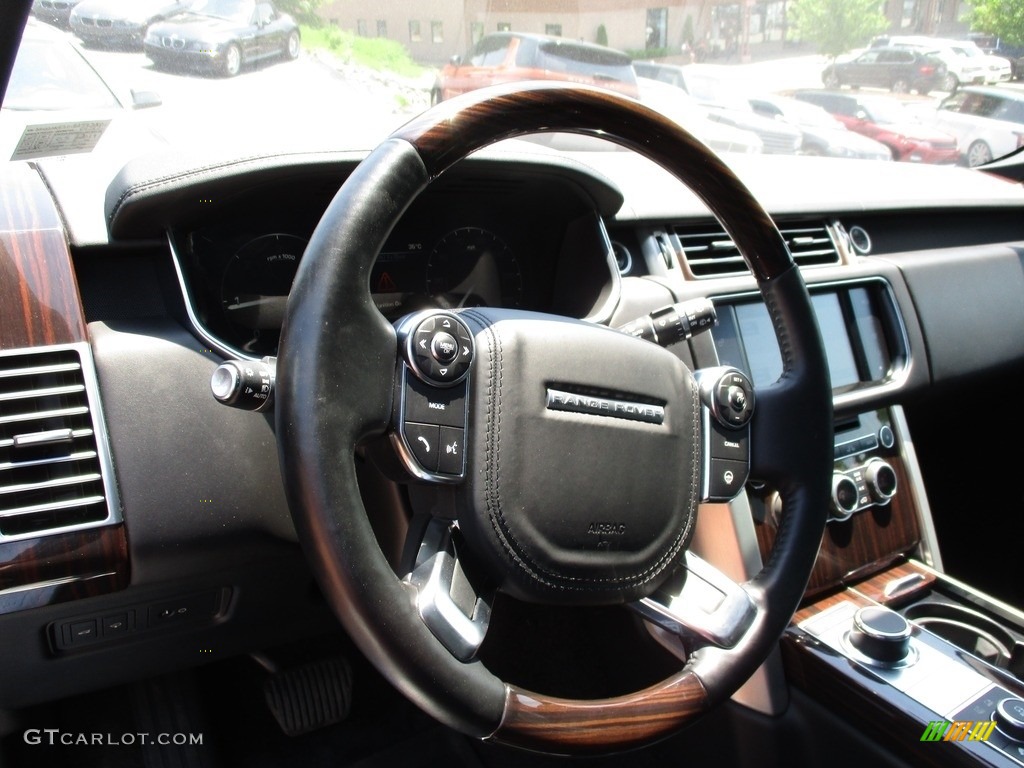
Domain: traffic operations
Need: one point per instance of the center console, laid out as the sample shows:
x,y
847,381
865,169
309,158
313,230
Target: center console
x,y
923,662
926,665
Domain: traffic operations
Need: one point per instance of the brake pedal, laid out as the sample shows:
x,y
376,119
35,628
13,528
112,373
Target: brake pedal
x,y
310,696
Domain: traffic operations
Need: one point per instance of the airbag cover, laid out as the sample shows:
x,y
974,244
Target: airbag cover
x,y
576,508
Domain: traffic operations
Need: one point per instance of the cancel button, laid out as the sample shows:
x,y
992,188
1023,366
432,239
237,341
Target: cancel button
x,y
729,443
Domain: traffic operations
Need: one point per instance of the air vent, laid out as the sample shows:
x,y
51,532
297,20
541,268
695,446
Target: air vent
x,y
52,462
710,252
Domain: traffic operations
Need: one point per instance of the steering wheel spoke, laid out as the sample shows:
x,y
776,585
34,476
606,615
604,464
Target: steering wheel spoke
x,y
447,602
701,605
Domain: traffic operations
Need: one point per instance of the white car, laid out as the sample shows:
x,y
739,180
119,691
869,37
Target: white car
x,y
679,106
987,122
997,69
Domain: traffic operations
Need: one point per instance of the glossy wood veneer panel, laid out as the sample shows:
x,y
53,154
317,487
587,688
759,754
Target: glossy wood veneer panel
x,y
866,543
39,301
535,721
880,712
66,566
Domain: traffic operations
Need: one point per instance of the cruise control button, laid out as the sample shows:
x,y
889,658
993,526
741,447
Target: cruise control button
x,y
734,396
435,405
729,443
450,451
423,440
727,478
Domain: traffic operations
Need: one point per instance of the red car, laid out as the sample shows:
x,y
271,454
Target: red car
x,y
885,121
509,56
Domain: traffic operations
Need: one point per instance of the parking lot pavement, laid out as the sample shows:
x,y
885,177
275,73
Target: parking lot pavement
x,y
312,104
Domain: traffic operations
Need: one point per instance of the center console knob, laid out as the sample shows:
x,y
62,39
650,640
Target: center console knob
x,y
881,478
881,634
1009,717
844,496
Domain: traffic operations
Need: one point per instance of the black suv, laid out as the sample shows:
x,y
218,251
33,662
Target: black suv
x,y
897,69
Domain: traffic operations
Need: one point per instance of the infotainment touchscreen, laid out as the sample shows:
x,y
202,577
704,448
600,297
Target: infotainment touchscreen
x,y
853,326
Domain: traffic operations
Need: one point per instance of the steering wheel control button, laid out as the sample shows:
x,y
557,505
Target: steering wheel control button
x,y
439,348
444,348
433,405
726,479
451,451
423,441
1009,717
881,635
732,399
731,444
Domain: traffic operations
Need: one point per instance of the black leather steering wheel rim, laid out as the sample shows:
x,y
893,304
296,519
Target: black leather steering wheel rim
x,y
335,380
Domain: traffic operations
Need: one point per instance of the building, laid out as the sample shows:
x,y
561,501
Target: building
x,y
435,30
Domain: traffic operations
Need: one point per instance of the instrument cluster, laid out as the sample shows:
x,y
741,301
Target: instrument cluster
x,y
447,253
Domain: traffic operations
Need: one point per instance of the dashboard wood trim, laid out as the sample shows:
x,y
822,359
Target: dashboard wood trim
x,y
39,301
40,306
866,543
55,569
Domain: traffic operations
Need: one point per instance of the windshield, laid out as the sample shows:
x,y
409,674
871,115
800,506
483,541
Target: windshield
x,y
230,10
49,77
266,76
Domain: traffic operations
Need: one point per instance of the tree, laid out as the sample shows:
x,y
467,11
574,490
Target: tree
x,y
838,25
1003,18
303,11
602,35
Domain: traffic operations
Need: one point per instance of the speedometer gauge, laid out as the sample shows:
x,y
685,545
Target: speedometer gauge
x,y
255,287
474,267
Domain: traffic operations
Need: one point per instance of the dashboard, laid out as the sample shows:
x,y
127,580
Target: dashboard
x,y
204,258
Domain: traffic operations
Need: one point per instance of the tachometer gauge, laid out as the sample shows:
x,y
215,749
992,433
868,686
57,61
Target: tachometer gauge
x,y
473,267
254,291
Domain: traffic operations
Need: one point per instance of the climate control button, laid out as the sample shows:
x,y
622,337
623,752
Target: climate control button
x,y
845,496
881,479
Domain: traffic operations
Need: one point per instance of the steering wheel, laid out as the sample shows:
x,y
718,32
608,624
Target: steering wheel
x,y
553,505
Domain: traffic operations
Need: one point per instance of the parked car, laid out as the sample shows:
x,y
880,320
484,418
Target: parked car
x,y
960,68
510,56
898,69
222,35
119,22
724,104
997,68
987,122
55,12
671,74
887,122
682,108
823,134
994,45
58,104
